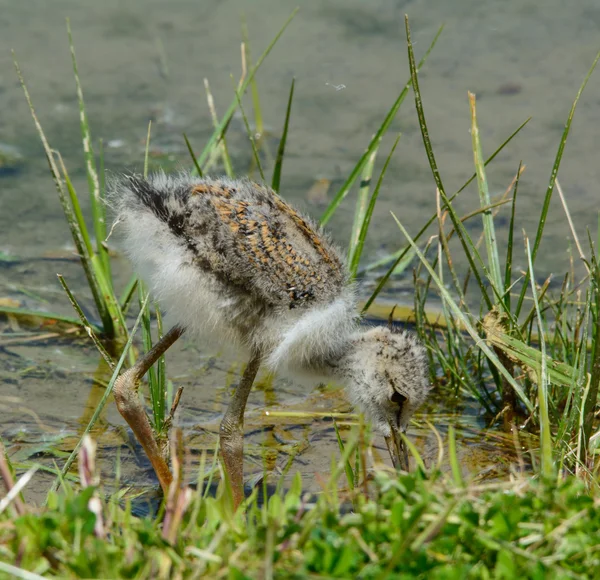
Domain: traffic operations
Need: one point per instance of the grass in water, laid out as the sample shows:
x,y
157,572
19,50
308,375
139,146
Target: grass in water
x,y
527,354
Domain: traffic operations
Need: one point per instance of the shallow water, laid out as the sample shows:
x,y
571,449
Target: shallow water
x,y
147,60
49,393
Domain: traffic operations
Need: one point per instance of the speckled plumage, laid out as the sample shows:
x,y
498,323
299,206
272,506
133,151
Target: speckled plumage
x,y
247,238
233,259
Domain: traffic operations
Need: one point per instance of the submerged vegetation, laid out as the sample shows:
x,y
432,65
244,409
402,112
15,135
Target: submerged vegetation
x,y
529,355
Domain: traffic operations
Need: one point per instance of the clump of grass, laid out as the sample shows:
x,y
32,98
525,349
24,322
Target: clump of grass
x,y
412,525
531,365
94,255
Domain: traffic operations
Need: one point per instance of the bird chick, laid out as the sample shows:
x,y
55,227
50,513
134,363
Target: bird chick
x,y
231,259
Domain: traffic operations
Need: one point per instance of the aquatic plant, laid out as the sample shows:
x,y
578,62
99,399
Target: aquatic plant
x,y
547,379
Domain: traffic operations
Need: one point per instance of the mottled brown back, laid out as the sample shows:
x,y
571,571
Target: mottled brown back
x,y
245,236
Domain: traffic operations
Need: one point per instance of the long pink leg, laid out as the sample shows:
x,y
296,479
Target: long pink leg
x,y
131,408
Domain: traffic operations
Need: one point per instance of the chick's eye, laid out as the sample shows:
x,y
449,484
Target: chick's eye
x,y
398,398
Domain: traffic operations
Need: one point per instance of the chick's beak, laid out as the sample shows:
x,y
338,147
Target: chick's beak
x,y
397,447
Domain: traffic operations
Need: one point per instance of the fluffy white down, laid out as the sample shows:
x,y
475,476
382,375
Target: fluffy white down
x,y
162,263
317,333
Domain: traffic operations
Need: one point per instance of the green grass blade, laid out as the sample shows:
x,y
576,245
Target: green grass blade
x,y
545,431
380,262
106,302
258,118
414,452
420,112
470,249
591,401
86,324
98,208
484,199
347,451
453,458
572,420
276,182
347,465
46,316
403,257
219,131
221,146
444,250
156,400
556,166
361,205
102,208
369,214
383,281
79,235
527,356
551,184
76,208
101,288
193,156
118,328
509,249
127,294
493,156
250,137
16,572
161,366
213,469
374,144
102,291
